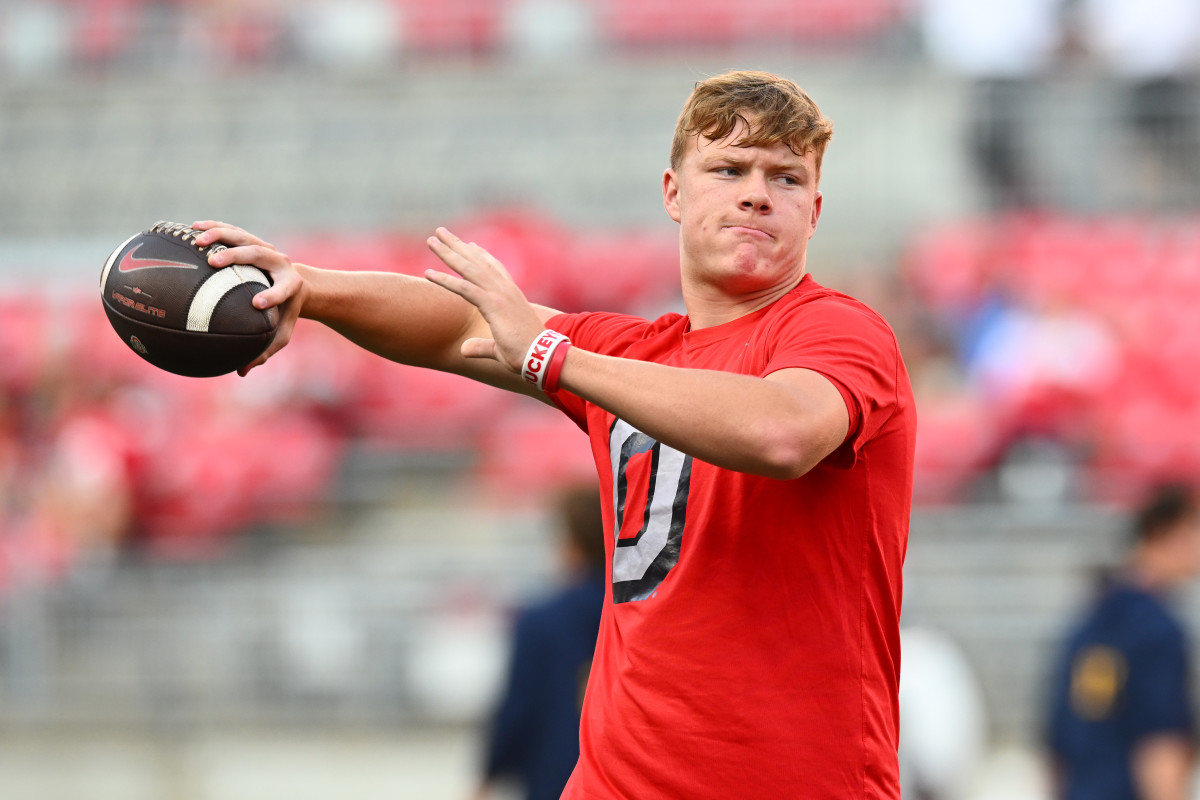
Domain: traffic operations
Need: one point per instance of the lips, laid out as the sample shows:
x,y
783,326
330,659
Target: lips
x,y
750,231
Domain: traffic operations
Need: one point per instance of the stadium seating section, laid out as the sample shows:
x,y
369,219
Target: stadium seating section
x,y
1076,331
101,32
1080,331
206,458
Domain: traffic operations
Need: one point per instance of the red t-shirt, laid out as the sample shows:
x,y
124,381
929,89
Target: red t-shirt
x,y
749,645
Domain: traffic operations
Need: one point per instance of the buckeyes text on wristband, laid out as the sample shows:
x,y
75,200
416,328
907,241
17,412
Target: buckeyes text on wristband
x,y
537,360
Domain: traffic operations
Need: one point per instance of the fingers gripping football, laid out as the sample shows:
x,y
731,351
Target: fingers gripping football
x,y
484,282
242,247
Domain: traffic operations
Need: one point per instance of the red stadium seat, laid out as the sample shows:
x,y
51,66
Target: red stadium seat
x,y
529,453
532,247
623,273
957,438
709,22
383,252
450,25
25,338
950,266
92,348
422,410
198,489
293,458
105,29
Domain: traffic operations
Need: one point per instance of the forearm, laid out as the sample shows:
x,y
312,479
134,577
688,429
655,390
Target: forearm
x,y
1162,768
399,317
777,428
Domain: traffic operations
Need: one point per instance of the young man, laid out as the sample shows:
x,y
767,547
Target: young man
x,y
1121,718
755,456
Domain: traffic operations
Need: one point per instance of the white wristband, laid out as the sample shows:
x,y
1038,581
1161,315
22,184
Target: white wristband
x,y
537,361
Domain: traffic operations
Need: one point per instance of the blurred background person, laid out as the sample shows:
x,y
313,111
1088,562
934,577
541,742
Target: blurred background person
x,y
1150,49
1002,50
943,717
533,738
1122,725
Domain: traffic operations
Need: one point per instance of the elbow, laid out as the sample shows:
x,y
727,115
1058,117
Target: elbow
x,y
784,466
785,454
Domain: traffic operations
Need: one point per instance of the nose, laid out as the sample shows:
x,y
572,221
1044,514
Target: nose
x,y
755,196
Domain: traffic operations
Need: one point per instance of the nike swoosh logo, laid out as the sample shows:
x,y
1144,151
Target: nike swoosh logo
x,y
130,262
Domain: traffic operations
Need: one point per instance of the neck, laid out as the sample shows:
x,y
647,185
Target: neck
x,y
1151,569
708,306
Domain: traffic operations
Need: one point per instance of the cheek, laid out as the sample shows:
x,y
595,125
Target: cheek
x,y
698,232
1189,555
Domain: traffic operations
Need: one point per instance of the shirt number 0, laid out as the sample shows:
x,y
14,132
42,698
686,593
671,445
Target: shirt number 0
x,y
641,561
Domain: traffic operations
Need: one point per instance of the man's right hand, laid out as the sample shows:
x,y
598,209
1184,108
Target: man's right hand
x,y
286,291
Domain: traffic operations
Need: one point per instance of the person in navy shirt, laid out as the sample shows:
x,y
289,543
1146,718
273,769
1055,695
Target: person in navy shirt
x,y
1121,720
533,737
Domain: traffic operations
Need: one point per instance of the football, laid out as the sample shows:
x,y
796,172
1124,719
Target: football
x,y
177,312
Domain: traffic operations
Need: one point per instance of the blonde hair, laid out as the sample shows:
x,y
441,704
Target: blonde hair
x,y
779,109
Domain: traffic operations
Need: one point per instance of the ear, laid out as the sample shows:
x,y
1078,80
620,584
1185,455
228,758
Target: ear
x,y
816,211
670,189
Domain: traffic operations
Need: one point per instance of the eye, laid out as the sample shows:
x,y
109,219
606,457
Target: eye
x,y
728,172
789,180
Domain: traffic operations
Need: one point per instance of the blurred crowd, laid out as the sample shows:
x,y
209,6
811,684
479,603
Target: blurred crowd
x,y
99,453
1147,52
102,454
225,35
1051,357
1012,42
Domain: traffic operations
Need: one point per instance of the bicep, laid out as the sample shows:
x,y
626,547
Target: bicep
x,y
823,419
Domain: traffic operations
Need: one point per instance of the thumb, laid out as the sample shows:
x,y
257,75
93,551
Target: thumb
x,y
480,348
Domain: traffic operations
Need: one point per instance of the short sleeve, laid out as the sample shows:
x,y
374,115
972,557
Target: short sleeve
x,y
1157,693
854,348
609,334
